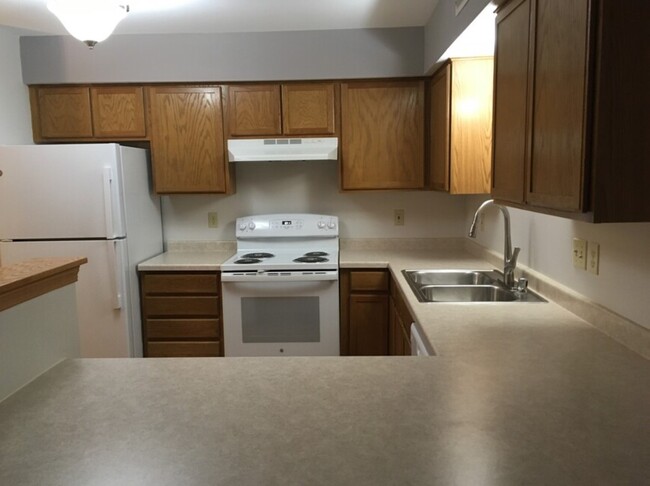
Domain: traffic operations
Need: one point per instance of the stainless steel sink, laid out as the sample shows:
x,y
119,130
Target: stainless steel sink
x,y
452,277
464,286
466,293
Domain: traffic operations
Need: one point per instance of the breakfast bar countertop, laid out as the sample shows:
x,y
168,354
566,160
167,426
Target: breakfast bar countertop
x,y
324,421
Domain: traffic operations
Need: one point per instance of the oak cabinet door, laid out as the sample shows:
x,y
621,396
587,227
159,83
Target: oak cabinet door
x,y
439,116
61,113
118,112
382,135
460,141
510,102
308,109
368,325
254,110
187,139
557,162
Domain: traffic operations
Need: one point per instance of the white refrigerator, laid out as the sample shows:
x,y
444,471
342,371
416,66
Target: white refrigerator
x,y
92,200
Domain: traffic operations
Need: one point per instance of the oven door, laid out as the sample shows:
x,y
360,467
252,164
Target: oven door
x,y
281,315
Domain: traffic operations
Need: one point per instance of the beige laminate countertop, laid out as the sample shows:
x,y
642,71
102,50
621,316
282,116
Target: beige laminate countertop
x,y
26,280
188,261
519,393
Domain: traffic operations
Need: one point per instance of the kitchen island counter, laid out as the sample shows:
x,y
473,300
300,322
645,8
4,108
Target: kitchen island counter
x,y
517,394
343,421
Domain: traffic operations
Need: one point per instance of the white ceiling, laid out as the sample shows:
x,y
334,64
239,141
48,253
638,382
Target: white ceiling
x,y
210,16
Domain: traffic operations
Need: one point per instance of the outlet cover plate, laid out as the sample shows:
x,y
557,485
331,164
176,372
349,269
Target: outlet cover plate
x,y
580,253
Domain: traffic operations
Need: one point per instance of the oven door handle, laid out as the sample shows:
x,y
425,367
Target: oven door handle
x,y
279,277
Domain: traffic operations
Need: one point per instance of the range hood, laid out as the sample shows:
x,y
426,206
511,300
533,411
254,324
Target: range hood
x,y
278,149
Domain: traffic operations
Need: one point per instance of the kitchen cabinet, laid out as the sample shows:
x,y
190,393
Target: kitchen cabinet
x,y
187,145
570,112
61,113
276,110
118,112
382,135
364,312
84,113
181,314
460,126
399,337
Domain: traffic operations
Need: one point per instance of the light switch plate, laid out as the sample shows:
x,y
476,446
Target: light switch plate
x,y
580,253
213,220
593,257
398,216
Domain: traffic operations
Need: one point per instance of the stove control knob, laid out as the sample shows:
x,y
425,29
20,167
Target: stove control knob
x,y
321,224
331,225
251,226
242,226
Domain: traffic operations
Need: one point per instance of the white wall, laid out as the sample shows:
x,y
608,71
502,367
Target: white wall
x,y
15,117
546,246
313,187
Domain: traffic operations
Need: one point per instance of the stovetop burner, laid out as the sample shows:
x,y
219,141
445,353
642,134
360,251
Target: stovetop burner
x,y
310,259
316,254
248,260
259,254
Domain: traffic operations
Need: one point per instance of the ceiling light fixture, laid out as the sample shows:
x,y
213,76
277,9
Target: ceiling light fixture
x,y
89,21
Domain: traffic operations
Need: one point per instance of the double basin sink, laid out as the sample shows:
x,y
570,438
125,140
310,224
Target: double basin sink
x,y
464,286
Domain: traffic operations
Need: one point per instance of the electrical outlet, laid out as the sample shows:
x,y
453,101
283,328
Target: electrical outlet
x,y
399,217
580,253
213,220
593,257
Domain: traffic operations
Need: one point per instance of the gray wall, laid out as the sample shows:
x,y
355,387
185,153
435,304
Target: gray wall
x,y
225,57
15,117
444,27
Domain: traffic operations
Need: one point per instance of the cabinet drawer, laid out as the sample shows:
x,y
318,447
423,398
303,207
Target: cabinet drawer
x,y
375,281
183,349
180,283
182,306
182,328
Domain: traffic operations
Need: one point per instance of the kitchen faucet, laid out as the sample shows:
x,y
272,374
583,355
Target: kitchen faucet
x,y
509,256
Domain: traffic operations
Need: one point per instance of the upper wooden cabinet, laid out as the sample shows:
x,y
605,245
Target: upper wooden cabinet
x,y
270,110
570,127
187,139
118,112
460,126
382,135
308,109
61,113
85,113
254,110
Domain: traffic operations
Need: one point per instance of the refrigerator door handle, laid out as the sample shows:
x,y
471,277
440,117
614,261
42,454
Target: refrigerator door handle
x,y
116,274
108,201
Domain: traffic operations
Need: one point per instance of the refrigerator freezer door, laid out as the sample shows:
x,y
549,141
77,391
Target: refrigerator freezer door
x,y
104,330
61,191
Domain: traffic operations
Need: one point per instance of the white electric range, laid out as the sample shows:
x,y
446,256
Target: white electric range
x,y
280,290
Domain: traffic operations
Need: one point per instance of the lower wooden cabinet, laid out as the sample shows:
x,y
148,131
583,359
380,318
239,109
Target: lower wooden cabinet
x,y
375,320
364,312
399,336
181,314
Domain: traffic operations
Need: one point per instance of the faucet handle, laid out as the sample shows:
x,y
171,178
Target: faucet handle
x,y
522,284
513,258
